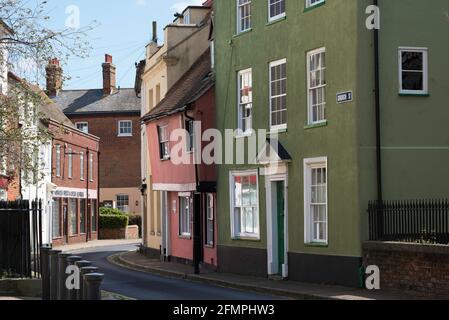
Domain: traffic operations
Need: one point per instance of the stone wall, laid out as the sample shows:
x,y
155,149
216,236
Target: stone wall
x,y
131,232
413,268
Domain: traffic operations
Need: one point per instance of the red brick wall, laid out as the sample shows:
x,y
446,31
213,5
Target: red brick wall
x,y
120,159
413,268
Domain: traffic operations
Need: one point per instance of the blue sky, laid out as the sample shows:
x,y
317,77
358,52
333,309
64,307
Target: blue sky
x,y
124,30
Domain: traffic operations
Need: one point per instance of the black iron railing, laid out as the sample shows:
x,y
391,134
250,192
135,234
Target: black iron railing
x,y
415,221
20,239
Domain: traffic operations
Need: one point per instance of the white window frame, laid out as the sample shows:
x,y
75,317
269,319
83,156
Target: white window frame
x,y
236,234
210,219
164,142
279,16
70,169
58,160
119,200
82,166
91,167
309,165
313,3
309,89
239,19
182,212
120,134
248,131
282,126
84,125
425,72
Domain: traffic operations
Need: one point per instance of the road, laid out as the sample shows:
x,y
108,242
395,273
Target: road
x,y
144,286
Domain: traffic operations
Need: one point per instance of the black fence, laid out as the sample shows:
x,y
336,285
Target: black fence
x,y
416,221
20,239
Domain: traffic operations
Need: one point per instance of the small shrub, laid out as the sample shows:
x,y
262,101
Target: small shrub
x,y
113,221
111,212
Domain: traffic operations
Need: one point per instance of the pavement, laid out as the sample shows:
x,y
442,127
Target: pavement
x,y
97,244
291,289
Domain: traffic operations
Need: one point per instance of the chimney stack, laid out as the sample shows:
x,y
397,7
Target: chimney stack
x,y
109,76
54,77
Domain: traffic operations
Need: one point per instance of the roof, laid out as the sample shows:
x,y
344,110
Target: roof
x,y
48,109
94,101
191,86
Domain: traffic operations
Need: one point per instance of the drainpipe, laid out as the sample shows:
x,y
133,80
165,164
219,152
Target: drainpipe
x,y
86,207
378,128
196,215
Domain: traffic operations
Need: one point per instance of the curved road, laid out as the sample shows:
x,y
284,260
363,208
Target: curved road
x,y
143,286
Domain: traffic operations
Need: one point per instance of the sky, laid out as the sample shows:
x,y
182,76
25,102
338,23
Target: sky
x,y
123,29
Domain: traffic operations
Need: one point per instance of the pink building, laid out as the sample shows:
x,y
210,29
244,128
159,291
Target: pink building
x,y
188,190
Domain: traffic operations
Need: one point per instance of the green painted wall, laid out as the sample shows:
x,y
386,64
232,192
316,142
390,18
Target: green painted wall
x,y
333,25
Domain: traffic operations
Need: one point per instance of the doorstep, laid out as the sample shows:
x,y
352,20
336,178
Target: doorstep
x,y
291,289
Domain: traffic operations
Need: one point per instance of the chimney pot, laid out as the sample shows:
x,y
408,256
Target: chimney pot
x,y
154,39
54,77
107,58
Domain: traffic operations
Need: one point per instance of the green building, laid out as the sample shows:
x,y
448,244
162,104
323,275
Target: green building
x,y
304,70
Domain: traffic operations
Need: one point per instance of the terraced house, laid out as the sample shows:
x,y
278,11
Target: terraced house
x,y
305,71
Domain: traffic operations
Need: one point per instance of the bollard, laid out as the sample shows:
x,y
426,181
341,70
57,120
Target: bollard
x,y
62,291
45,272
93,285
81,264
71,294
84,271
54,269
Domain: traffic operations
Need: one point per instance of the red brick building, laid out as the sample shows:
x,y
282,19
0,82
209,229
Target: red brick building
x,y
74,173
112,114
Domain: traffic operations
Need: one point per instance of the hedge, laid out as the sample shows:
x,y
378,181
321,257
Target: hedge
x,y
111,212
136,220
113,221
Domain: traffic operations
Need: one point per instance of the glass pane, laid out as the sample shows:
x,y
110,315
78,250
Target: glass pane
x,y
412,61
412,81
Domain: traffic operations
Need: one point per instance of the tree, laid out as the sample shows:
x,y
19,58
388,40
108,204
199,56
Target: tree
x,y
26,39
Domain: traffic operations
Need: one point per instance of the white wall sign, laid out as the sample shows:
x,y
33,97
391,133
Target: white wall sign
x,y
344,97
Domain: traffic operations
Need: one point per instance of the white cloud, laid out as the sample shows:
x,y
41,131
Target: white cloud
x,y
180,6
141,3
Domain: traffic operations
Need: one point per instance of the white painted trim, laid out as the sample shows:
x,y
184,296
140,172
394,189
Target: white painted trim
x,y
308,164
309,109
174,187
239,100
311,5
123,134
425,52
271,65
271,241
279,16
239,21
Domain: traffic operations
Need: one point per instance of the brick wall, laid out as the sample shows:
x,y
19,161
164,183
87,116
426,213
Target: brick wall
x,y
119,156
413,268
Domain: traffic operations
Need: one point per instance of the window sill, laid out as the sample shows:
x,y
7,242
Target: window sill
x,y
242,33
245,135
125,135
209,246
243,238
316,125
276,20
277,131
185,237
317,245
166,159
307,9
414,94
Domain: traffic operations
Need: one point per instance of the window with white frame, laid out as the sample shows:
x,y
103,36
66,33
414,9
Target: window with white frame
x,y
276,9
91,166
413,71
56,214
81,165
83,126
185,214
210,216
125,128
186,17
278,94
123,202
316,83
311,3
73,214
243,15
245,101
3,195
245,205
58,160
316,200
164,143
70,169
